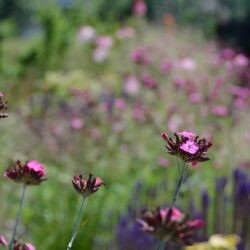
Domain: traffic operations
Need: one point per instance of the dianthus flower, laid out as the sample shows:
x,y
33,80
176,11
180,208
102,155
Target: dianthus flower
x,y
187,146
3,106
23,246
88,186
31,173
169,224
3,241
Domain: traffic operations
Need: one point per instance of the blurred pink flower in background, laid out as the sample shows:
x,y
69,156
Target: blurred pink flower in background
x,y
195,98
139,112
240,60
104,42
140,56
125,33
139,8
149,82
220,110
179,82
86,34
131,84
3,241
162,161
186,64
76,123
227,54
175,122
166,66
120,103
100,54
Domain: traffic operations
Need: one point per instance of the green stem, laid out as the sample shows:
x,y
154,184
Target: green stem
x,y
178,187
160,244
74,231
18,217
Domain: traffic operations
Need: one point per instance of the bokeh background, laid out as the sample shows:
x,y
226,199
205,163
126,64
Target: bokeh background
x,y
90,87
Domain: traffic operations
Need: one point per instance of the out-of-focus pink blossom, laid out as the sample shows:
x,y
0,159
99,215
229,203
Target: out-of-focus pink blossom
x,y
162,161
220,110
3,241
86,34
140,56
125,33
227,54
240,60
100,54
166,66
186,64
76,123
195,98
149,82
105,42
179,82
139,8
240,103
187,134
241,92
120,103
131,85
139,112
175,122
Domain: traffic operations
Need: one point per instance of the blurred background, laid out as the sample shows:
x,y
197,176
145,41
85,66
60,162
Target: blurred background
x,y
90,87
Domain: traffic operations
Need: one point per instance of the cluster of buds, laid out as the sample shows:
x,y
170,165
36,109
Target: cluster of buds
x,y
17,245
169,224
187,146
31,173
3,106
88,186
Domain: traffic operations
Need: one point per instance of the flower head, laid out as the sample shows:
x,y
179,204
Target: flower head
x,y
3,241
139,8
31,173
188,146
23,246
88,186
169,223
3,106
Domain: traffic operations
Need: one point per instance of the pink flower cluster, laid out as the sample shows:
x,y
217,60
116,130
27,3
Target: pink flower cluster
x,y
88,186
17,245
169,224
31,173
187,146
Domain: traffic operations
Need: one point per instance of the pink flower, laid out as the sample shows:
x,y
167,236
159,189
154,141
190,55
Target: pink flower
x,y
100,54
187,134
140,56
31,173
76,123
104,42
170,224
195,97
241,61
125,33
163,162
131,85
186,64
166,66
139,8
120,103
3,241
86,34
190,147
220,110
88,186
149,82
187,146
23,246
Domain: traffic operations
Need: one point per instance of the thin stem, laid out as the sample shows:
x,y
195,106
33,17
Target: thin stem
x,y
177,161
18,217
178,187
74,231
160,244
